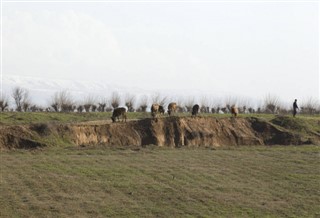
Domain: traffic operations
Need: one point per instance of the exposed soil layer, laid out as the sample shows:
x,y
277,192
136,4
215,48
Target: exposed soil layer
x,y
170,131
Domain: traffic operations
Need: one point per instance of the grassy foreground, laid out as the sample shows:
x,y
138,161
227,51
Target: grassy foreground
x,y
161,182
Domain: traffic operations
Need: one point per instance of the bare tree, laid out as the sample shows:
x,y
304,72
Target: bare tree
x,y
55,106
35,108
159,99
25,106
271,104
143,103
80,108
163,101
26,102
309,106
244,105
89,103
189,102
3,103
102,104
205,108
115,99
216,105
251,110
62,102
55,102
21,98
129,102
87,107
94,108
17,95
155,98
101,107
180,107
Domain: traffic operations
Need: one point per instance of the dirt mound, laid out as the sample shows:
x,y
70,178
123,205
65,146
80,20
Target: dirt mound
x,y
275,135
170,131
18,137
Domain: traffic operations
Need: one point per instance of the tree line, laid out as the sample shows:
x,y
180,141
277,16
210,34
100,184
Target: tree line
x,y
63,101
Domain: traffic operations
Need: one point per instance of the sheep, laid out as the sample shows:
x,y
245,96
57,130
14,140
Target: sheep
x,y
195,110
120,111
154,110
172,107
234,111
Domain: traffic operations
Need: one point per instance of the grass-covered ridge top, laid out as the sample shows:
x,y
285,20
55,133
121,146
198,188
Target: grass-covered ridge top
x,y
17,118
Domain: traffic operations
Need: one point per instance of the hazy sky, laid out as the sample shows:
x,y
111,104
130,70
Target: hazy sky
x,y
247,48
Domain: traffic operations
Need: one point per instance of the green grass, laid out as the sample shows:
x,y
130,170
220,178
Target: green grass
x,y
161,182
14,118
299,124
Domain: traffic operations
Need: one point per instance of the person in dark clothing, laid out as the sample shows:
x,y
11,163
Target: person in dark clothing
x,y
295,107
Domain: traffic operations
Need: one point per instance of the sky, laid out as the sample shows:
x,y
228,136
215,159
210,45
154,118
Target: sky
x,y
246,48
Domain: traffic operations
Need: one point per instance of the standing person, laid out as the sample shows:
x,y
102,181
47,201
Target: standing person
x,y
295,107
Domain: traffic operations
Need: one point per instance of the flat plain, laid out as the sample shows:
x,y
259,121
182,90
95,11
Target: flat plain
x,y
242,181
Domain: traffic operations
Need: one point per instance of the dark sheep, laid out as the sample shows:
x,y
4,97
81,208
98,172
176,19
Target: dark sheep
x,y
120,111
195,110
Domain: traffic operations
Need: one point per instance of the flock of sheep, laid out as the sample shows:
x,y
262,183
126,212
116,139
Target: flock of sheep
x,y
157,109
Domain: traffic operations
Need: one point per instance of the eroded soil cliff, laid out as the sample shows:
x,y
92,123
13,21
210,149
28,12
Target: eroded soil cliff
x,y
170,131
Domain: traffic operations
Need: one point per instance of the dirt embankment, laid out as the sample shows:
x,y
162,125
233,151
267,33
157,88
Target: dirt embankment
x,y
170,131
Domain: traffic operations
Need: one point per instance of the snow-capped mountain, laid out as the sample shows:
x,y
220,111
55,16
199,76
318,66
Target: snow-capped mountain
x,y
41,90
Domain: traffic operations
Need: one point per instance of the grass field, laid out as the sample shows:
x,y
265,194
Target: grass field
x,y
15,118
161,182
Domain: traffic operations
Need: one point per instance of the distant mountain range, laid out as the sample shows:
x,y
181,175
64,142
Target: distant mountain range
x,y
41,90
